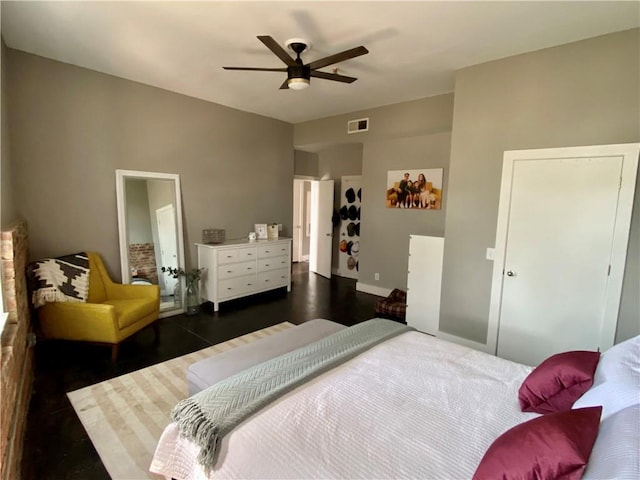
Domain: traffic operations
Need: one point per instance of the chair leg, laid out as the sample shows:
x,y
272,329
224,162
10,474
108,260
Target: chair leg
x,y
114,352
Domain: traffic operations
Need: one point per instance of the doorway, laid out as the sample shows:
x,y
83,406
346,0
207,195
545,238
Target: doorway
x,y
301,220
561,243
312,227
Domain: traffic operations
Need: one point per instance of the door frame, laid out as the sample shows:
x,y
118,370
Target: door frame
x,y
300,216
629,153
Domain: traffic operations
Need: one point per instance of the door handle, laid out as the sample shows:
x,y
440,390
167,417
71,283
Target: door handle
x,y
511,274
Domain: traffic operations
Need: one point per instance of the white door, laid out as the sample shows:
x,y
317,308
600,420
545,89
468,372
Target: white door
x,y
555,271
424,283
168,244
349,246
321,227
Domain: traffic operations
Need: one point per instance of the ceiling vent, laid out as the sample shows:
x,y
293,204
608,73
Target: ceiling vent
x,y
359,125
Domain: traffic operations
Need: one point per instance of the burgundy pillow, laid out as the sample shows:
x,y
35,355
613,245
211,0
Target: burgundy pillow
x,y
554,446
555,384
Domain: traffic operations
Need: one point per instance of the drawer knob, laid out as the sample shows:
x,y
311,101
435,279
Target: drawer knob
x,y
267,280
266,264
266,251
229,271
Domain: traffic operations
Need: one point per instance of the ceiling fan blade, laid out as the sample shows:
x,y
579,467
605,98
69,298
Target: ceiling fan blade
x,y
285,85
338,57
257,69
275,47
333,76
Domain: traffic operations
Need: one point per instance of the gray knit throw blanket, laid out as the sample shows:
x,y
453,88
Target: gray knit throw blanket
x,y
209,415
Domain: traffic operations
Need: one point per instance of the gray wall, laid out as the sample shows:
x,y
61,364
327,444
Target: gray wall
x,y
584,93
73,127
7,210
406,135
305,163
384,241
138,217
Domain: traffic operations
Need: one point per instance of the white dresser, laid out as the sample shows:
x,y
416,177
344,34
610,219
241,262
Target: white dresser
x,y
237,268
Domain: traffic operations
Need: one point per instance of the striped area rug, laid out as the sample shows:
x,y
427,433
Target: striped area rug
x,y
125,416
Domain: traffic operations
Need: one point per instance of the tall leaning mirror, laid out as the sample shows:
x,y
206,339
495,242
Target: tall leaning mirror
x,y
150,230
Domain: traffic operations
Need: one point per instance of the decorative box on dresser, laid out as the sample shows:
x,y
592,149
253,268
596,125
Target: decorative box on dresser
x,y
237,268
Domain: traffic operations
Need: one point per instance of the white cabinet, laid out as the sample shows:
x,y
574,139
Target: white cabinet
x,y
424,281
238,268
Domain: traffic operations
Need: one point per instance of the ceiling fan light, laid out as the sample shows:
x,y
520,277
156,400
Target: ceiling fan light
x,y
298,83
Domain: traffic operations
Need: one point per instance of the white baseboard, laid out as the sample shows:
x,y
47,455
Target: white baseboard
x,y
373,289
465,342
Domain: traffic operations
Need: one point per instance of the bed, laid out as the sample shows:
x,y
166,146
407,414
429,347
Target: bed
x,y
410,407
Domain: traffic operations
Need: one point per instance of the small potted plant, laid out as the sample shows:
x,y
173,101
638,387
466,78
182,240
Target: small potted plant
x,y
192,292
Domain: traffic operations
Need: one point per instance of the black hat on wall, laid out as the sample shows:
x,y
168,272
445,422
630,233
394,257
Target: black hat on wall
x,y
351,195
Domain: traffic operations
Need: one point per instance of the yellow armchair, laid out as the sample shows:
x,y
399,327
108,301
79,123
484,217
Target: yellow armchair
x,y
112,312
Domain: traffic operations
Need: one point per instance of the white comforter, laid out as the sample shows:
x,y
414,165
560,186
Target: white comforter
x,y
412,407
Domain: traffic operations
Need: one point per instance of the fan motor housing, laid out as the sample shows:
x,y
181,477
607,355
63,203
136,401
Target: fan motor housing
x,y
299,71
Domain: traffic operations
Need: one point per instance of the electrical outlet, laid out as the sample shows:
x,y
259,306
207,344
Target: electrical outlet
x,y
279,227
376,276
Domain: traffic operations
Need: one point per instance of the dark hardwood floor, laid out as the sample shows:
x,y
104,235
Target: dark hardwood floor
x,y
56,444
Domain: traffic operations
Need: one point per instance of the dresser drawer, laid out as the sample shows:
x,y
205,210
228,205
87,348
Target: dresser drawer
x,y
272,263
268,251
273,278
232,287
236,269
233,255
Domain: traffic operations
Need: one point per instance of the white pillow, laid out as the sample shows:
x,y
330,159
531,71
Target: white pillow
x,y
612,395
615,453
620,363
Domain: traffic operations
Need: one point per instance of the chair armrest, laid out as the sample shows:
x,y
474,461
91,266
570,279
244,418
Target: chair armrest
x,y
119,291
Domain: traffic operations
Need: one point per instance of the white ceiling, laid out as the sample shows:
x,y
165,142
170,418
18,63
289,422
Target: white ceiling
x,y
415,47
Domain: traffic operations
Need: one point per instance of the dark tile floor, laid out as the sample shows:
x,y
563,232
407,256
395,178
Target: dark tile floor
x,y
56,445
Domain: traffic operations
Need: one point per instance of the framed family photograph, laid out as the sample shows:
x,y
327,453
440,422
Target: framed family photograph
x,y
418,189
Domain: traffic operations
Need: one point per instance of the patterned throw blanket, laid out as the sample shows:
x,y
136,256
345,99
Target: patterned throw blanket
x,y
62,279
209,415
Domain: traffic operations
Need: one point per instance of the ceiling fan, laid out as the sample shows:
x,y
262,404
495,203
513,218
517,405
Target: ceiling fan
x,y
299,74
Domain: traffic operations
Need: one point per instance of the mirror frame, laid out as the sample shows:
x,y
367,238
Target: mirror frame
x,y
123,234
